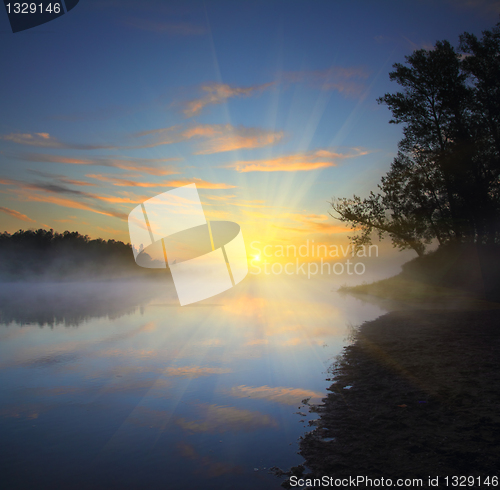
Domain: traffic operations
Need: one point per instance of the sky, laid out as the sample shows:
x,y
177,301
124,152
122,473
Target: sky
x,y
268,107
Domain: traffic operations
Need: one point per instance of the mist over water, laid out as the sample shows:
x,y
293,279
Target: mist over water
x,y
115,385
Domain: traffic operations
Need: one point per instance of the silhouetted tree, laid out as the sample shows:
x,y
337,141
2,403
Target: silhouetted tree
x,y
444,183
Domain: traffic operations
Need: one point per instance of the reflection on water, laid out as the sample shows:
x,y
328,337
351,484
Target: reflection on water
x,y
72,303
148,394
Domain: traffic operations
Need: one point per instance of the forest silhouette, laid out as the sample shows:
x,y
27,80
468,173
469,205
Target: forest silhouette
x,y
49,255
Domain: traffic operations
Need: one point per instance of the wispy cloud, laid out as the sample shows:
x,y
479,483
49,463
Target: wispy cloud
x,y
151,166
200,183
161,136
216,137
51,193
347,80
45,140
120,182
71,203
221,138
217,93
61,178
312,160
56,188
16,214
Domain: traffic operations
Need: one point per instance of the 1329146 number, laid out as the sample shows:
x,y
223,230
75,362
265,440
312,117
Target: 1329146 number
x,y
33,8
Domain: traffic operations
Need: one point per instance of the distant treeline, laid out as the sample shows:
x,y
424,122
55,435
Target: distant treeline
x,y
46,254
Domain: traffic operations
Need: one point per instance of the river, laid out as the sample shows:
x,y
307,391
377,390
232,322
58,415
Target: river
x,y
114,385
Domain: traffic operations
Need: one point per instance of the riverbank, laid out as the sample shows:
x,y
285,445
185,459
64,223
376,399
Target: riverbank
x,y
415,395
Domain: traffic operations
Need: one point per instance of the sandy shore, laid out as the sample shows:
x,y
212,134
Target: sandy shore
x,y
416,395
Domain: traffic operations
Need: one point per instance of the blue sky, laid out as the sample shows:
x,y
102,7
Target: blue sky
x,y
269,107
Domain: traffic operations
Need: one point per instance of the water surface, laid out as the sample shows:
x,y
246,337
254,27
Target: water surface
x,y
113,385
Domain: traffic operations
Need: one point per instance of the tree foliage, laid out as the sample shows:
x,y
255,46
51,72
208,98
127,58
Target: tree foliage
x,y
444,184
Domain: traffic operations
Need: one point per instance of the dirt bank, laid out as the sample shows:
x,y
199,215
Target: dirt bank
x,y
416,395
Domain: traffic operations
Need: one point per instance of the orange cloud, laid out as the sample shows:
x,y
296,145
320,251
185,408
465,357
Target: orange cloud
x,y
313,160
229,138
32,192
217,93
290,163
16,214
70,203
200,183
122,200
218,137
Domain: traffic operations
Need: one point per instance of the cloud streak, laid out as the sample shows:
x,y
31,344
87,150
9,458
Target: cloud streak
x,y
349,81
16,214
200,183
216,138
44,140
218,93
49,193
223,138
313,160
146,165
